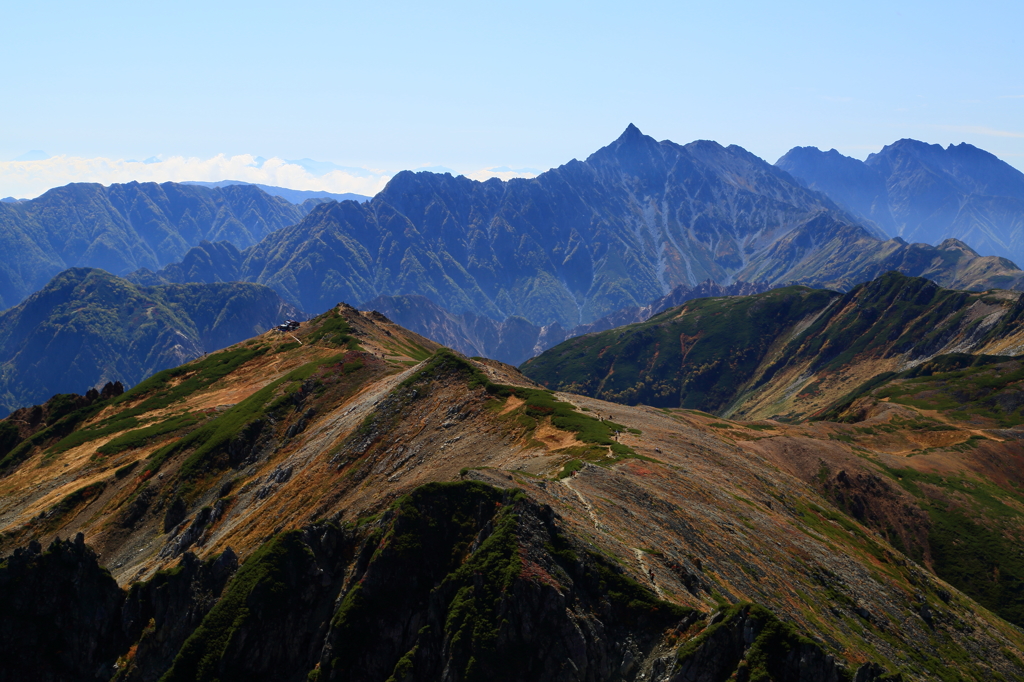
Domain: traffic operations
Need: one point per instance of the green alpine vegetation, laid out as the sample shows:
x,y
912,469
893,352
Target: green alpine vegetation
x,y
786,352
88,327
695,357
346,500
984,390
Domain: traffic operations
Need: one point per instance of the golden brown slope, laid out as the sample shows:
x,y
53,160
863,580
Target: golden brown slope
x,y
674,499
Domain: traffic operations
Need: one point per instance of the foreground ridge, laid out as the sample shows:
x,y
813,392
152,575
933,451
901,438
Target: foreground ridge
x,y
352,501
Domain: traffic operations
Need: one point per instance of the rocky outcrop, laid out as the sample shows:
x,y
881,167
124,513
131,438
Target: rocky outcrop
x,y
525,602
61,615
748,642
162,612
61,413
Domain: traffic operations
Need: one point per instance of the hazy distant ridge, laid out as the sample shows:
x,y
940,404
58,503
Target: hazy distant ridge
x,y
924,193
124,227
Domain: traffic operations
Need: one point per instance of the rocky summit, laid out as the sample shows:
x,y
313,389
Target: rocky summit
x,y
351,501
618,230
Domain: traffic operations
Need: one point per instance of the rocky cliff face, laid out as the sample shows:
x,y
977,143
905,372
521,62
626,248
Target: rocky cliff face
x,y
455,582
61,614
623,228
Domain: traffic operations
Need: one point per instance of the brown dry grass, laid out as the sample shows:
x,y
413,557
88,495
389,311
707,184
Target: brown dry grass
x,y
727,506
554,439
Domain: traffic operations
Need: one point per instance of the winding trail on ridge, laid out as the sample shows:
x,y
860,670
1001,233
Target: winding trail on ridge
x,y
638,553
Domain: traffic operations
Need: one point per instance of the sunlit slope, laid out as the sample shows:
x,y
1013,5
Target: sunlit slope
x,y
788,352
391,506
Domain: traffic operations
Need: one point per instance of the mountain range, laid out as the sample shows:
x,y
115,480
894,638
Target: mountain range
x,y
87,327
924,193
516,340
770,442
122,228
619,230
357,503
508,269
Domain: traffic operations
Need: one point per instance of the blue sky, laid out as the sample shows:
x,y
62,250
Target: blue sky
x,y
476,85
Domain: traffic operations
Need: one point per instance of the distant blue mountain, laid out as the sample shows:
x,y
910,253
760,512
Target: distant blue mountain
x,y
626,226
295,196
923,193
125,227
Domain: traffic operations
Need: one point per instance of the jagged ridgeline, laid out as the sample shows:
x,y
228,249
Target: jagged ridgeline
x,y
922,192
86,328
124,227
785,353
349,501
618,230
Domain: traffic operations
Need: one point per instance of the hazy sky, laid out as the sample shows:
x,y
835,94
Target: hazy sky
x,y
476,85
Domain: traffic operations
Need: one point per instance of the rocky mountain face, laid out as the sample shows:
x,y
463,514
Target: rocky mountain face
x,y
515,340
765,355
87,327
924,193
356,503
125,227
579,242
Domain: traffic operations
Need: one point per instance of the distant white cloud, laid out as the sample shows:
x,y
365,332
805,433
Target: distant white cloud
x,y
981,130
30,178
